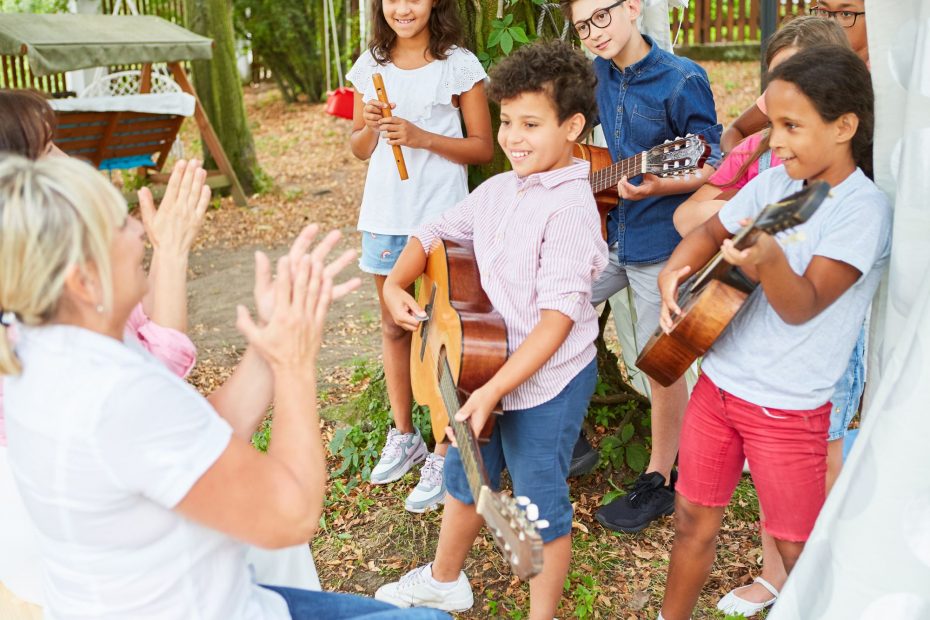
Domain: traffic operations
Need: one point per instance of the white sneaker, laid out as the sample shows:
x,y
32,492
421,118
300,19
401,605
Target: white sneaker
x,y
431,490
401,452
417,589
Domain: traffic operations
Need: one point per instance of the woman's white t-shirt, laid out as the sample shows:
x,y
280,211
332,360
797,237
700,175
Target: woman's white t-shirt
x,y
424,97
103,443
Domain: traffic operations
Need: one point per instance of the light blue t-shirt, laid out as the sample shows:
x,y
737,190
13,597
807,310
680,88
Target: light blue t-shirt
x,y
766,361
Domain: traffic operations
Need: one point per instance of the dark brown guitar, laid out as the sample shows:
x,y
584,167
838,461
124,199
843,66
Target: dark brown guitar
x,y
673,158
456,350
712,297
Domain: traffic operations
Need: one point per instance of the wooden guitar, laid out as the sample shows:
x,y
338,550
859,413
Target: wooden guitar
x,y
673,158
711,297
456,350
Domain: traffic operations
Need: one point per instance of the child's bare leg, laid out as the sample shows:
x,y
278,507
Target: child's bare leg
x,y
790,552
668,410
546,587
460,526
773,571
441,449
693,553
834,461
395,343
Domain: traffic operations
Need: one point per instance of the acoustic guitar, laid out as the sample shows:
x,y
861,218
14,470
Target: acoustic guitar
x,y
714,295
457,349
673,158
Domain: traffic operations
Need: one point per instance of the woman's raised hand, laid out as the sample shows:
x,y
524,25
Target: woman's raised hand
x,y
292,307
173,227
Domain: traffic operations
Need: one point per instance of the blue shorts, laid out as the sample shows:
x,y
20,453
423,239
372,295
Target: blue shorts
x,y
535,445
848,391
380,252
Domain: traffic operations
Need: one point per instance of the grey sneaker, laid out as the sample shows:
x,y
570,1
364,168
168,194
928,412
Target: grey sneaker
x,y
400,453
431,490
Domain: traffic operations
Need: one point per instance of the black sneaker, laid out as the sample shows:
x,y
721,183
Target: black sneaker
x,y
647,500
584,457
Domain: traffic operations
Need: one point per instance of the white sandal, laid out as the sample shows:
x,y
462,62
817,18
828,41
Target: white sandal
x,y
732,604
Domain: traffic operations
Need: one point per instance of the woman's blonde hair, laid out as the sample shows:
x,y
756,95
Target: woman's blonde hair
x,y
56,214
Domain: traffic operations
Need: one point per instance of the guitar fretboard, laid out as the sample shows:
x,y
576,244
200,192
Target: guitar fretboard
x,y
611,175
464,437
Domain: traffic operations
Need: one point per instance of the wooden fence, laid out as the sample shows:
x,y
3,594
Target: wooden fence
x,y
172,10
727,21
15,73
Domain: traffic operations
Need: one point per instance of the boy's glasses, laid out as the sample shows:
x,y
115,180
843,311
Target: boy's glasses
x,y
846,19
600,19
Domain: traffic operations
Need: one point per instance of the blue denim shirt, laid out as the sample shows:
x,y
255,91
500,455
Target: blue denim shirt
x,y
659,98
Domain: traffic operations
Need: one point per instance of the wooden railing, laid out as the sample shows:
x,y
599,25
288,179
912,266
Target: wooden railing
x,y
727,21
172,10
15,73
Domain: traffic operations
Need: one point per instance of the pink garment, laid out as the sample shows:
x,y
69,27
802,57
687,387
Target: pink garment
x,y
760,103
538,246
173,348
724,176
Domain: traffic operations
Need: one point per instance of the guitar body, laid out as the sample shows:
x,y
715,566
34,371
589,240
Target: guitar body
x,y
703,318
607,199
711,298
462,329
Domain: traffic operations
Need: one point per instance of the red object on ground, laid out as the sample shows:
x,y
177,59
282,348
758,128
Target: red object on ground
x,y
341,102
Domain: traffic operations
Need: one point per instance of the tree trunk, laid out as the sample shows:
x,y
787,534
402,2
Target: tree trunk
x,y
219,88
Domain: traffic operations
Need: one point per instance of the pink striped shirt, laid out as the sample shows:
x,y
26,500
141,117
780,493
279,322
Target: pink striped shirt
x,y
538,246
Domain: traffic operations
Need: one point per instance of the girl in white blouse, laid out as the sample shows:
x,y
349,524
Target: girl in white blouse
x,y
141,492
433,85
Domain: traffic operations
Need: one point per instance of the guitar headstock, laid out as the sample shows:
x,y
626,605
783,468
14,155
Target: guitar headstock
x,y
515,532
792,210
677,157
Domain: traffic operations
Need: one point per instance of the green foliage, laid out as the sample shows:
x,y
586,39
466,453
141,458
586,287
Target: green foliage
x,y
288,38
33,6
359,445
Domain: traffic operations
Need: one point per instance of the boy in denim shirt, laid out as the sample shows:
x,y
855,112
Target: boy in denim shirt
x,y
645,96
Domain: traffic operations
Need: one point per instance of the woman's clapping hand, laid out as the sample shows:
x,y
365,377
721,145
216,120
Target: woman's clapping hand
x,y
292,306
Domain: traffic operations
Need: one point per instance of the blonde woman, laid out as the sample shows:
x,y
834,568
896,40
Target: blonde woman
x,y
139,489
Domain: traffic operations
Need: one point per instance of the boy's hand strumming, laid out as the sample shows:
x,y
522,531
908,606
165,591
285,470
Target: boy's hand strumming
x,y
404,309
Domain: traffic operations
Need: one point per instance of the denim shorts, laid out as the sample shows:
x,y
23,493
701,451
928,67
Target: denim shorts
x,y
380,252
848,391
535,445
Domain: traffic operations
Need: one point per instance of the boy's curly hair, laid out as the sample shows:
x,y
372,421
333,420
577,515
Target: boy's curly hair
x,y
553,68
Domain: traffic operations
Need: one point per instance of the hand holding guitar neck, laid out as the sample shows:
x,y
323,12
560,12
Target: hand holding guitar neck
x,y
386,113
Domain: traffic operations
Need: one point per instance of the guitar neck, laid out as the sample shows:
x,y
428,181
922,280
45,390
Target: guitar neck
x,y
610,175
472,462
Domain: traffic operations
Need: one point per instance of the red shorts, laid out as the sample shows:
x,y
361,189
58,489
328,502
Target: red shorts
x,y
786,450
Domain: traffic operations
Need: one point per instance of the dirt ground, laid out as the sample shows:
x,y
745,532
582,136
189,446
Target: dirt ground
x,y
369,538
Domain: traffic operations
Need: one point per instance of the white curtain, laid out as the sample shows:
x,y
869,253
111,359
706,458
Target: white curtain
x,y
869,555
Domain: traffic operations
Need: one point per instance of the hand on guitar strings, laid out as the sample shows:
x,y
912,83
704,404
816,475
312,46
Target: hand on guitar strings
x,y
649,186
669,281
764,249
404,309
476,410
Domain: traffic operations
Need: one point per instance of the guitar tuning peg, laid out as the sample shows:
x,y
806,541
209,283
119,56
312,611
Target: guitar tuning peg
x,y
506,546
521,536
541,524
532,512
523,500
514,559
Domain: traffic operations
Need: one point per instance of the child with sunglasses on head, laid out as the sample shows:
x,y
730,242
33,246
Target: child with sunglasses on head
x,y
645,96
850,16
766,382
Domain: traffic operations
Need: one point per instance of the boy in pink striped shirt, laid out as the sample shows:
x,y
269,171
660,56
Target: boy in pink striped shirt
x,y
537,240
